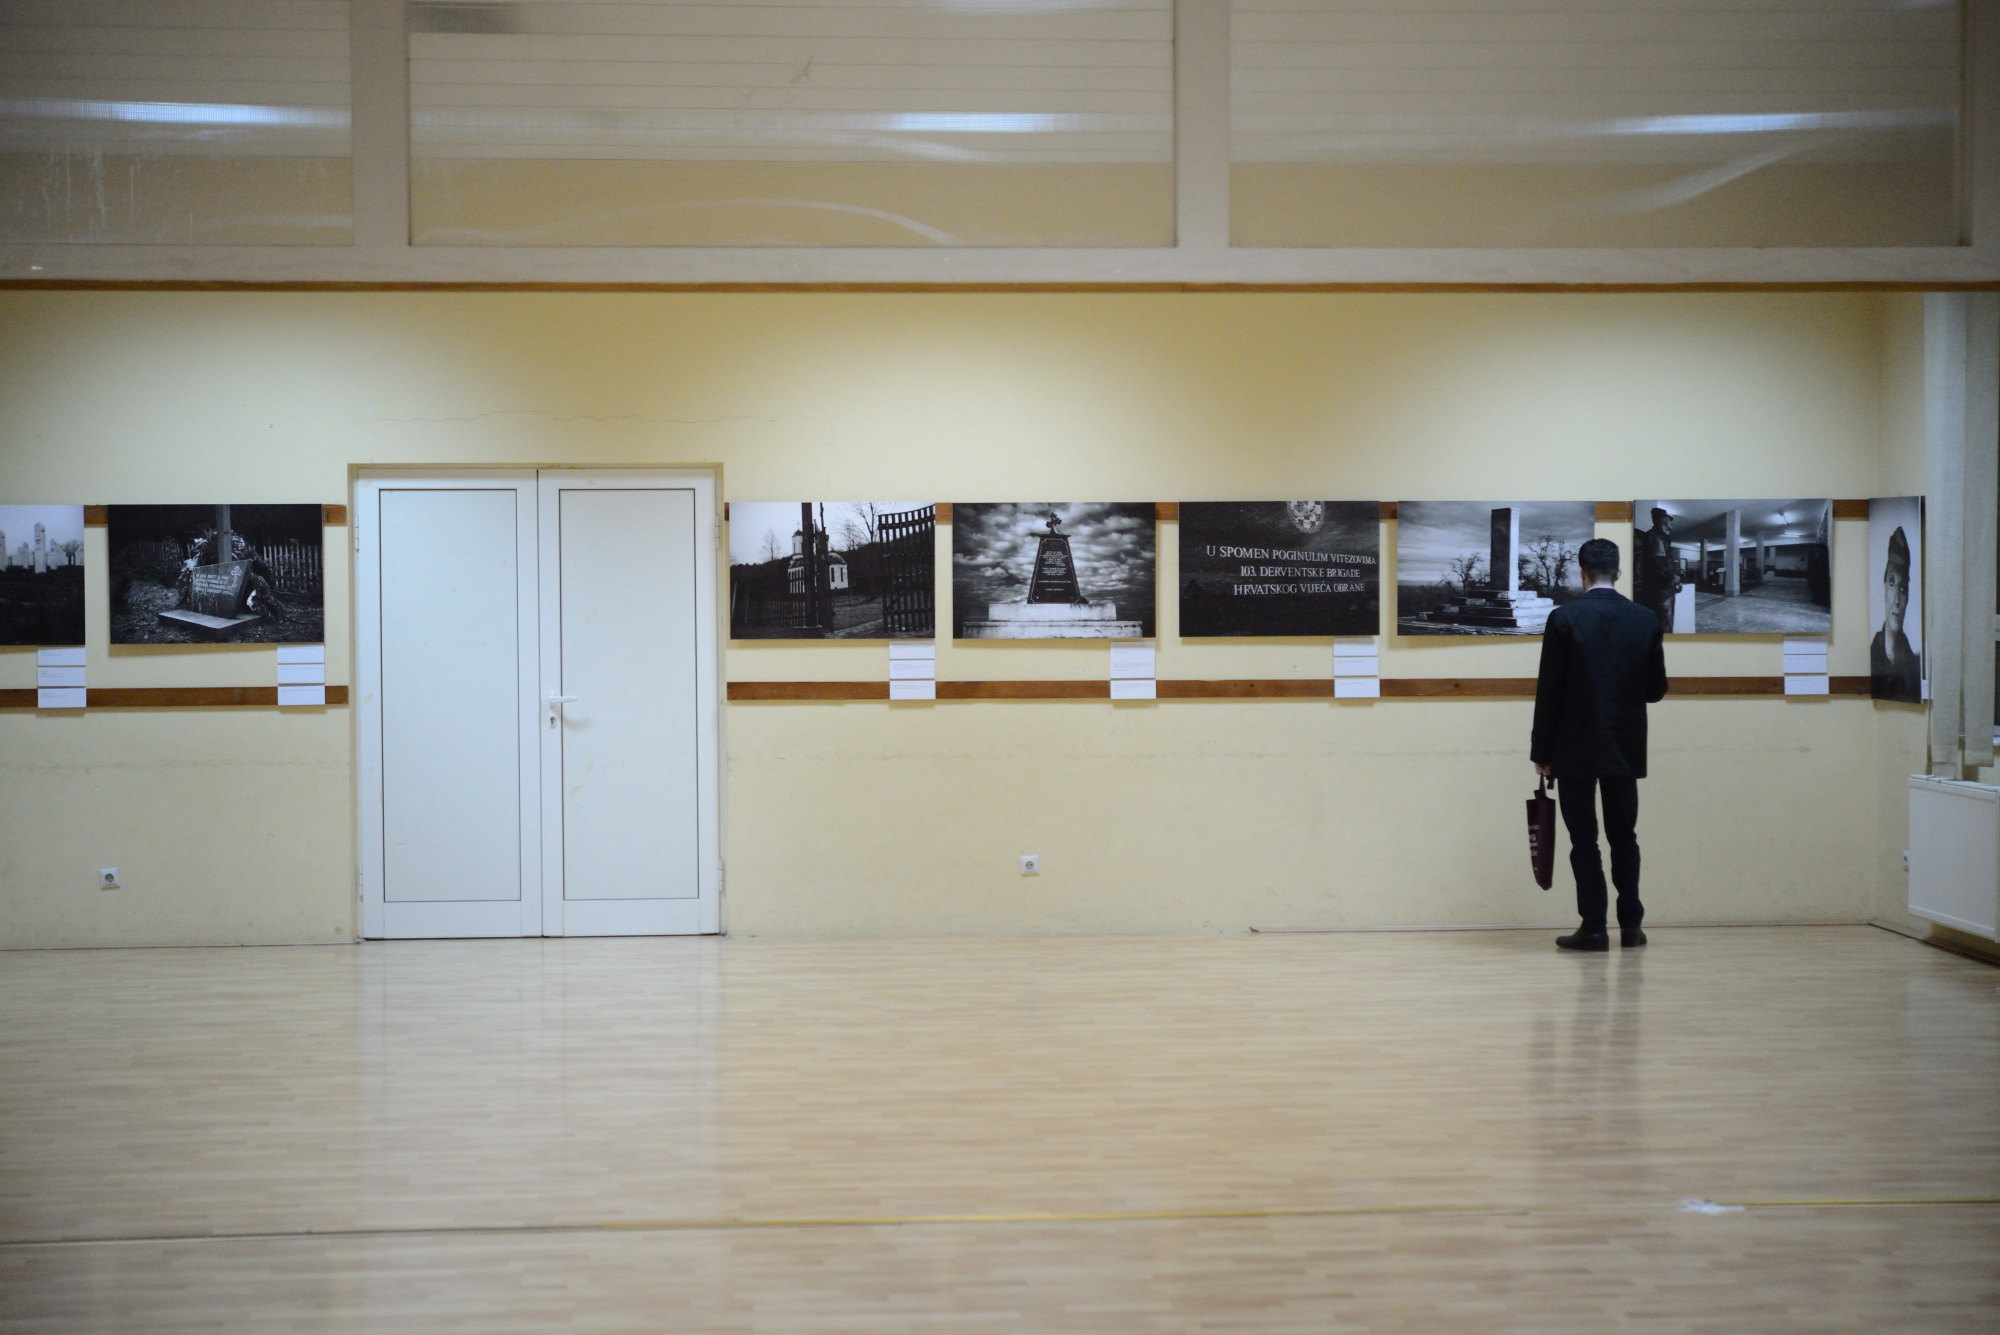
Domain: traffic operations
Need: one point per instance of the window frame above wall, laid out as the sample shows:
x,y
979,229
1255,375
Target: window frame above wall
x,y
1201,258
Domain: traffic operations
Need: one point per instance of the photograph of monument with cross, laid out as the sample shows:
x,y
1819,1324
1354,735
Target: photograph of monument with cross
x,y
41,575
205,574
1487,567
1051,571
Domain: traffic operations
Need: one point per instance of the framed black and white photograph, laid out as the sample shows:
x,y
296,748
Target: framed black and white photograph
x,y
1053,571
1487,567
41,575
1742,567
1280,568
207,574
1896,598
832,570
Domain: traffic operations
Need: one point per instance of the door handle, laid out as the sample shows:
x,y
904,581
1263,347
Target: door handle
x,y
556,702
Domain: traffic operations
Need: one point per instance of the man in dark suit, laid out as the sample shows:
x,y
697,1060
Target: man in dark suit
x,y
1602,664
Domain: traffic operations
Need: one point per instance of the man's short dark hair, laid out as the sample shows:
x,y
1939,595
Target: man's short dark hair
x,y
1598,559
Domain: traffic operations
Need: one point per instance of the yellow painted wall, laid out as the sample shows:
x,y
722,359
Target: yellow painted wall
x,y
867,818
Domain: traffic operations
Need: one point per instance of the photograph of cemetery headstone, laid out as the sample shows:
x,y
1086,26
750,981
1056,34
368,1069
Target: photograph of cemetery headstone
x,y
217,574
1053,571
843,570
41,574
1746,567
1487,567
1896,598
1281,568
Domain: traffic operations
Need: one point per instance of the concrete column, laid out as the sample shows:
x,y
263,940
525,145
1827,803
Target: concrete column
x,y
1732,554
1504,573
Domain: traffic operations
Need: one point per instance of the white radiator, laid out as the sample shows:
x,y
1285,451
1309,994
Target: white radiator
x,y
1955,854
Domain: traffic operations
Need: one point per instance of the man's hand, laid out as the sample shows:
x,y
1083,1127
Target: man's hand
x,y
1545,771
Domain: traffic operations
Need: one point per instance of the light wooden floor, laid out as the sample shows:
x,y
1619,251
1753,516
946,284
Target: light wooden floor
x,y
1429,1132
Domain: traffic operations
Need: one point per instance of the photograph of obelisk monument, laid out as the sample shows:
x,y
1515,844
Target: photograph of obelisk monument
x,y
1487,567
1051,571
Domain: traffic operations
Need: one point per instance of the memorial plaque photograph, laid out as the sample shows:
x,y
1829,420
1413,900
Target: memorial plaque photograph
x,y
1896,598
832,570
1053,571
41,575
1746,567
1487,567
1280,568
209,574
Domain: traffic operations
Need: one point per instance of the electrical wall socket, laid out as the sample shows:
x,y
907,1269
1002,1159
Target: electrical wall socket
x,y
1031,864
107,878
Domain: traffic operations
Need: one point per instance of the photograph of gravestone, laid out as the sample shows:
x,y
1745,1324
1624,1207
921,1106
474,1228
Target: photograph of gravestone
x,y
1735,567
1280,568
209,574
832,570
1896,598
1487,567
41,574
1052,571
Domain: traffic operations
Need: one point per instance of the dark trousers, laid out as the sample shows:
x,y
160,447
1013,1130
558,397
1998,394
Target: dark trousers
x,y
1577,795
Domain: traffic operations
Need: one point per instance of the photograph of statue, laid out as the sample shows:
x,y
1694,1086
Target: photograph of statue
x,y
207,574
1053,571
41,575
1896,598
1744,567
1281,568
1487,567
832,570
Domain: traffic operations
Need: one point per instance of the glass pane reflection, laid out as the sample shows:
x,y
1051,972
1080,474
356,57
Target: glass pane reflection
x,y
822,123
1595,123
175,121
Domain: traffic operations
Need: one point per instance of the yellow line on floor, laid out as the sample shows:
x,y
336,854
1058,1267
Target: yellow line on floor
x,y
1051,1217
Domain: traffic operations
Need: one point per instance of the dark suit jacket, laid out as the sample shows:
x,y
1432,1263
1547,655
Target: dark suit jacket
x,y
1602,664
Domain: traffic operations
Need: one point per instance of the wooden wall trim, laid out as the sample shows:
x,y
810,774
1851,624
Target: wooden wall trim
x,y
97,516
1274,688
1169,512
172,697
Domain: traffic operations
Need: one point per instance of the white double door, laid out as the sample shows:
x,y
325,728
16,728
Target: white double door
x,y
535,693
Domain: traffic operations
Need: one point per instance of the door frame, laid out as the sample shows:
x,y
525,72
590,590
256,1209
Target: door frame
x,y
366,485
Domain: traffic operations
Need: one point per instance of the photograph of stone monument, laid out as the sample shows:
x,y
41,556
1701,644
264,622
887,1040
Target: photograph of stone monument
x,y
1745,567
1896,598
208,574
41,574
1487,567
844,570
1280,568
1053,571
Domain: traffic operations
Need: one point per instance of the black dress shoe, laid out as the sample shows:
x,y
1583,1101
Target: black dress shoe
x,y
1585,940
1629,937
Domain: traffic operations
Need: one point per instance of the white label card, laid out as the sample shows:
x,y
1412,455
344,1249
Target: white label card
x,y
1805,662
1366,646
1808,685
913,649
301,653
1357,688
60,697
1805,644
301,695
1134,688
911,669
301,674
59,676
912,690
67,657
1136,659
1357,667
